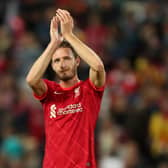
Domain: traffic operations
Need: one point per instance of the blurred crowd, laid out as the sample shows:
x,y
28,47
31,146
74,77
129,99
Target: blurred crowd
x,y
131,37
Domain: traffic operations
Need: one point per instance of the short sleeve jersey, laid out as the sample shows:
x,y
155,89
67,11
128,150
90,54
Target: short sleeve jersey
x,y
70,116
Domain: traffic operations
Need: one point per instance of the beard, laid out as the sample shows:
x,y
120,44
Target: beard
x,y
66,76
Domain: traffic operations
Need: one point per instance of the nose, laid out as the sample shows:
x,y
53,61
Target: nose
x,y
62,64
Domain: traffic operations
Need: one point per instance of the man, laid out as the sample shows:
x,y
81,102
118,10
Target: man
x,y
71,106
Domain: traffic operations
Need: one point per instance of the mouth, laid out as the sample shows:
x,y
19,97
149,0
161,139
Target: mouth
x,y
64,70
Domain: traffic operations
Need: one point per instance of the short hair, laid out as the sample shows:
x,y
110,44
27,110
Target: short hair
x,y
66,44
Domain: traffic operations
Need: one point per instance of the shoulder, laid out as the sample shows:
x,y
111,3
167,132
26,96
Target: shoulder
x,y
51,86
50,83
88,83
47,81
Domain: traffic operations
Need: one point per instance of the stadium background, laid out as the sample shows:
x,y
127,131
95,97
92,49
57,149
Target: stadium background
x,y
132,39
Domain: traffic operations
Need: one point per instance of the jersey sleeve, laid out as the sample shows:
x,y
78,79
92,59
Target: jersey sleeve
x,y
42,97
99,89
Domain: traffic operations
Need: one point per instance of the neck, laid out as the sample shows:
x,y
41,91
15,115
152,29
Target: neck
x,y
69,83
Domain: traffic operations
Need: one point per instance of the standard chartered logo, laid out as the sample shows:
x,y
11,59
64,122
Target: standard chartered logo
x,y
69,109
52,111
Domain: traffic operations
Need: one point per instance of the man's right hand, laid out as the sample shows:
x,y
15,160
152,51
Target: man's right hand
x,y
66,22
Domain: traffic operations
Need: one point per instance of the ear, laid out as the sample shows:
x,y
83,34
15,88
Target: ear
x,y
78,61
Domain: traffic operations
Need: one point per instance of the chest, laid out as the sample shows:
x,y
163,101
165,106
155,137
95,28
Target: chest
x,y
62,105
66,98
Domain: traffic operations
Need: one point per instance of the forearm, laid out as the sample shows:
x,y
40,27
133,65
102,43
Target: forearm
x,y
39,67
86,53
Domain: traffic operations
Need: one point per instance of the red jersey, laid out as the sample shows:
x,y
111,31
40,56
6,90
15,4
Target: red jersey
x,y
70,119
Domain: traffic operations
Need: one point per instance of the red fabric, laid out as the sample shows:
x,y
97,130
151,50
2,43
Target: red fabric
x,y
70,118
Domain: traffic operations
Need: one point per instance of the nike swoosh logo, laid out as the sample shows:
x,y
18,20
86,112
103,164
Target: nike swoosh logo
x,y
57,92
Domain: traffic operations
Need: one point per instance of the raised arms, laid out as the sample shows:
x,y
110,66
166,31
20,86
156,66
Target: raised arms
x,y
97,72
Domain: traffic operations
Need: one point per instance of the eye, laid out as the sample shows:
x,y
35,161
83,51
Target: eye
x,y
56,60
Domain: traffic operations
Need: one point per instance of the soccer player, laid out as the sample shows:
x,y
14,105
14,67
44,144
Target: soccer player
x,y
71,106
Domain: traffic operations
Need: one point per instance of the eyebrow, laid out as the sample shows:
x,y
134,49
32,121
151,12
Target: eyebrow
x,y
64,57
